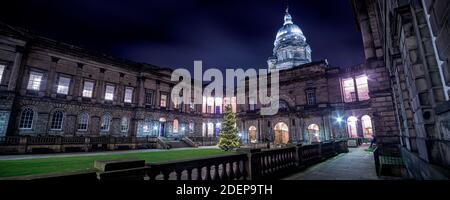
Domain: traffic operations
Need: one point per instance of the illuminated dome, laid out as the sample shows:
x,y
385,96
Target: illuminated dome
x,y
290,47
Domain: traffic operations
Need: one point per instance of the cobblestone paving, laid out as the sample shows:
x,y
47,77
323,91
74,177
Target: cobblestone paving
x,y
358,164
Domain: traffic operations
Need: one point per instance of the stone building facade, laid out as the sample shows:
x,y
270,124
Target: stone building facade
x,y
52,88
411,39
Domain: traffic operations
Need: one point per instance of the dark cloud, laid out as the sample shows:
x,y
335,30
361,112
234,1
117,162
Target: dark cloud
x,y
222,33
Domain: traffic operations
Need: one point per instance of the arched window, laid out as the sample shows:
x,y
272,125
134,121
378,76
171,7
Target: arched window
x,y
283,105
83,121
175,126
314,133
367,126
57,121
26,119
252,134
281,132
210,130
124,125
106,121
351,125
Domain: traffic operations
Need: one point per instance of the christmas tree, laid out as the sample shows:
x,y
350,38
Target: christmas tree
x,y
228,138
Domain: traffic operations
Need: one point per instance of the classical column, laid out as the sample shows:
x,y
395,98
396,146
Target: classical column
x,y
51,77
77,91
100,87
141,91
15,69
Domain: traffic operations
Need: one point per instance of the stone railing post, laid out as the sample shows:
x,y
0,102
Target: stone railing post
x,y
299,154
23,141
249,167
320,150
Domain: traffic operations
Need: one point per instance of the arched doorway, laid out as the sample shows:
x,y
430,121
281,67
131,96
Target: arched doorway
x,y
252,134
162,126
175,126
367,126
314,133
281,132
351,126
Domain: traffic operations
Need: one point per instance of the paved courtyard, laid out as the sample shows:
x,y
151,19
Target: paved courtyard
x,y
358,164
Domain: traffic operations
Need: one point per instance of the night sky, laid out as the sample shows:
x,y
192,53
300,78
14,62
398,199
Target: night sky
x,y
169,33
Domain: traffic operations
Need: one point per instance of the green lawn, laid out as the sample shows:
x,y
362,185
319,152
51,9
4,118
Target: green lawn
x,y
10,168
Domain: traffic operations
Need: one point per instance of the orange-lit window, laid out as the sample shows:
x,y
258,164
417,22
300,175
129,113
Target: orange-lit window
x,y
363,88
351,125
349,90
175,126
367,126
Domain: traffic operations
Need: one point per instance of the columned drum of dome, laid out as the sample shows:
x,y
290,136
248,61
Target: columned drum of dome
x,y
290,47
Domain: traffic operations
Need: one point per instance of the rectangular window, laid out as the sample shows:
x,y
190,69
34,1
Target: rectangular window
x,y
251,104
192,106
34,83
176,104
149,97
191,127
363,88
128,95
88,89
163,102
109,92
349,90
311,97
63,85
2,70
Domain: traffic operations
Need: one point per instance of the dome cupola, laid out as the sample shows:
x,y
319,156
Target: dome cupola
x,y
290,47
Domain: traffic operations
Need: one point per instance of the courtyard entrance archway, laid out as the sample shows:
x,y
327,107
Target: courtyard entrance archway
x,y
281,132
314,133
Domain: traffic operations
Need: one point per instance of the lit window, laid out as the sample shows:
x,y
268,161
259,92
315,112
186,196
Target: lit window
x,y
204,129
109,92
210,130
83,121
367,126
349,90
210,104
26,119
175,126
311,97
2,69
163,102
176,104
128,95
363,88
34,83
351,126
192,106
106,121
218,103
149,97
314,133
124,125
88,89
251,104
191,127
57,121
63,85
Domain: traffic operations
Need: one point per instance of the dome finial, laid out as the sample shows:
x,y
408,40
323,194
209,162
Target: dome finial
x,y
287,17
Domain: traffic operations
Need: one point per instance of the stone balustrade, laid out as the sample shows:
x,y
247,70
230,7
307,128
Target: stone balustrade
x,y
247,164
29,144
